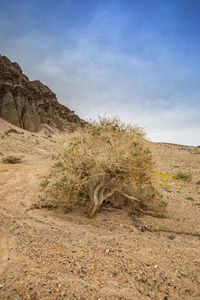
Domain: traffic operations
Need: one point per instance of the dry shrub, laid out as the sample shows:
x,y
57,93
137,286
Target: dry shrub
x,y
183,176
11,159
104,161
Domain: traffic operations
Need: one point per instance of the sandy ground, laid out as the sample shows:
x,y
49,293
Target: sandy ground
x,y
52,255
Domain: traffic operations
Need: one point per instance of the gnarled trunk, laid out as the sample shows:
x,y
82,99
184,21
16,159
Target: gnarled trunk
x,y
102,192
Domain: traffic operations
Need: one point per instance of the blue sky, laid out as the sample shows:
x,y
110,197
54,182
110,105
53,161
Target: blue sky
x,y
139,60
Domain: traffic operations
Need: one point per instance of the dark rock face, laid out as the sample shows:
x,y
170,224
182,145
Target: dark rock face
x,y
30,104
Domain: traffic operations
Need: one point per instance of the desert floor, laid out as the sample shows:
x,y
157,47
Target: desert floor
x,y
48,254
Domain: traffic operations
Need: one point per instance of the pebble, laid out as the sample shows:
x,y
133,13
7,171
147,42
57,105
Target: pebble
x,y
135,218
142,229
172,237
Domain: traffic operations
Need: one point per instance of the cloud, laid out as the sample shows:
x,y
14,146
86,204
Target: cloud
x,y
94,75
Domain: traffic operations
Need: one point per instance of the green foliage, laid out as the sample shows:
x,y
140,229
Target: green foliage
x,y
44,182
164,203
190,198
183,176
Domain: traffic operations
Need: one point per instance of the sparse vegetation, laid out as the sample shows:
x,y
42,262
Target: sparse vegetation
x,y
11,159
104,161
183,176
190,198
168,190
197,204
12,130
44,182
165,175
164,203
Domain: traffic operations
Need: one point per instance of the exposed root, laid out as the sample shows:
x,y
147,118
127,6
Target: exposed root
x,y
132,198
150,213
98,195
109,194
95,198
101,197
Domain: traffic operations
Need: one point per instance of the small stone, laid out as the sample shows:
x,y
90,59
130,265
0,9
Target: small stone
x,y
142,229
135,218
83,271
1,286
172,237
198,182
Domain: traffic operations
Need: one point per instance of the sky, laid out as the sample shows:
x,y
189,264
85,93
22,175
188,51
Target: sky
x,y
138,60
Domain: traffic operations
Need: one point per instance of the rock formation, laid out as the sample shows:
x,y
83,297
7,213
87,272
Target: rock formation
x,y
30,104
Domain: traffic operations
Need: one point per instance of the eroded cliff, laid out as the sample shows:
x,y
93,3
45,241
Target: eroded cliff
x,y
30,104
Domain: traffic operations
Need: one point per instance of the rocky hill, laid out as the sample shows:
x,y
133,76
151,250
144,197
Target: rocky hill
x,y
30,104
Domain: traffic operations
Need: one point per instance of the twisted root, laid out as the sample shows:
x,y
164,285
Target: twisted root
x,y
132,198
95,198
98,195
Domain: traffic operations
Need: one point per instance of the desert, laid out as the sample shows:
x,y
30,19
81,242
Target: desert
x,y
50,254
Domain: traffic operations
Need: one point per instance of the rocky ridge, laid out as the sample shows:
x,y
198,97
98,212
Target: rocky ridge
x,y
30,104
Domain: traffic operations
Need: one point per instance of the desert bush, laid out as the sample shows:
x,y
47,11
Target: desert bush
x,y
102,161
183,176
11,159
